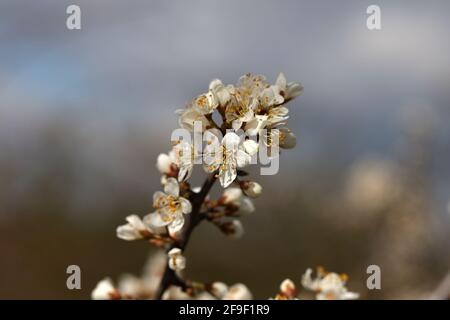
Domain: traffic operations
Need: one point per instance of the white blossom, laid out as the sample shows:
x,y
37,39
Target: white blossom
x,y
270,97
255,125
221,92
238,291
205,103
227,157
328,286
288,90
277,115
105,290
170,208
186,155
188,116
134,229
177,261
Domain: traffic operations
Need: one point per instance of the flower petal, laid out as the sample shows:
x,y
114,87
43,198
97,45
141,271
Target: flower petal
x,y
251,147
154,220
171,187
227,175
186,206
177,224
127,232
242,158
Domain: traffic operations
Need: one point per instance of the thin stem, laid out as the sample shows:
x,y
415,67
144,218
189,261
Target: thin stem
x,y
192,220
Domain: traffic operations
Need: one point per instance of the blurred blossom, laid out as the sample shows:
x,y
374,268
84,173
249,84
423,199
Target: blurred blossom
x,y
372,184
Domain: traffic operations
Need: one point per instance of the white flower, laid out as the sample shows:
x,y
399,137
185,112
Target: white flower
x,y
189,116
251,188
252,85
269,97
187,156
240,110
104,290
221,92
134,229
205,103
238,291
254,126
170,208
177,261
226,157
276,138
276,115
328,286
288,90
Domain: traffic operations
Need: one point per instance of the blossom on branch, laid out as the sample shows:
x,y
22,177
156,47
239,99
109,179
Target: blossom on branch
x,y
170,207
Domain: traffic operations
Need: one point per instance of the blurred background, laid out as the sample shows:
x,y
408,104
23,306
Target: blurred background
x,y
84,114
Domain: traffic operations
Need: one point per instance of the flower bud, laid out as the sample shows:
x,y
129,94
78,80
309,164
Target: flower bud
x,y
231,195
177,261
104,290
232,228
287,288
251,188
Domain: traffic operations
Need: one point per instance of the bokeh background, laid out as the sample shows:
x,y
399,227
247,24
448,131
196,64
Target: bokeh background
x,y
84,114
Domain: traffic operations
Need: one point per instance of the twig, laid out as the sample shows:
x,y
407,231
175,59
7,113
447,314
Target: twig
x,y
192,220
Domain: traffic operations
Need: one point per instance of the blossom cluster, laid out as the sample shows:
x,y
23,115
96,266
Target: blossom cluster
x,y
253,107
326,286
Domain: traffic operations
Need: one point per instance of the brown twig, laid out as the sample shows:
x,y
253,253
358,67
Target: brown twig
x,y
192,220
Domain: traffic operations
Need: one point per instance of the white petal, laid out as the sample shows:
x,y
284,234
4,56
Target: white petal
x,y
176,224
103,290
186,206
231,140
227,175
246,206
163,163
159,199
251,147
171,187
293,90
136,222
236,124
128,233
185,172
154,220
238,292
232,194
281,81
256,124
242,158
